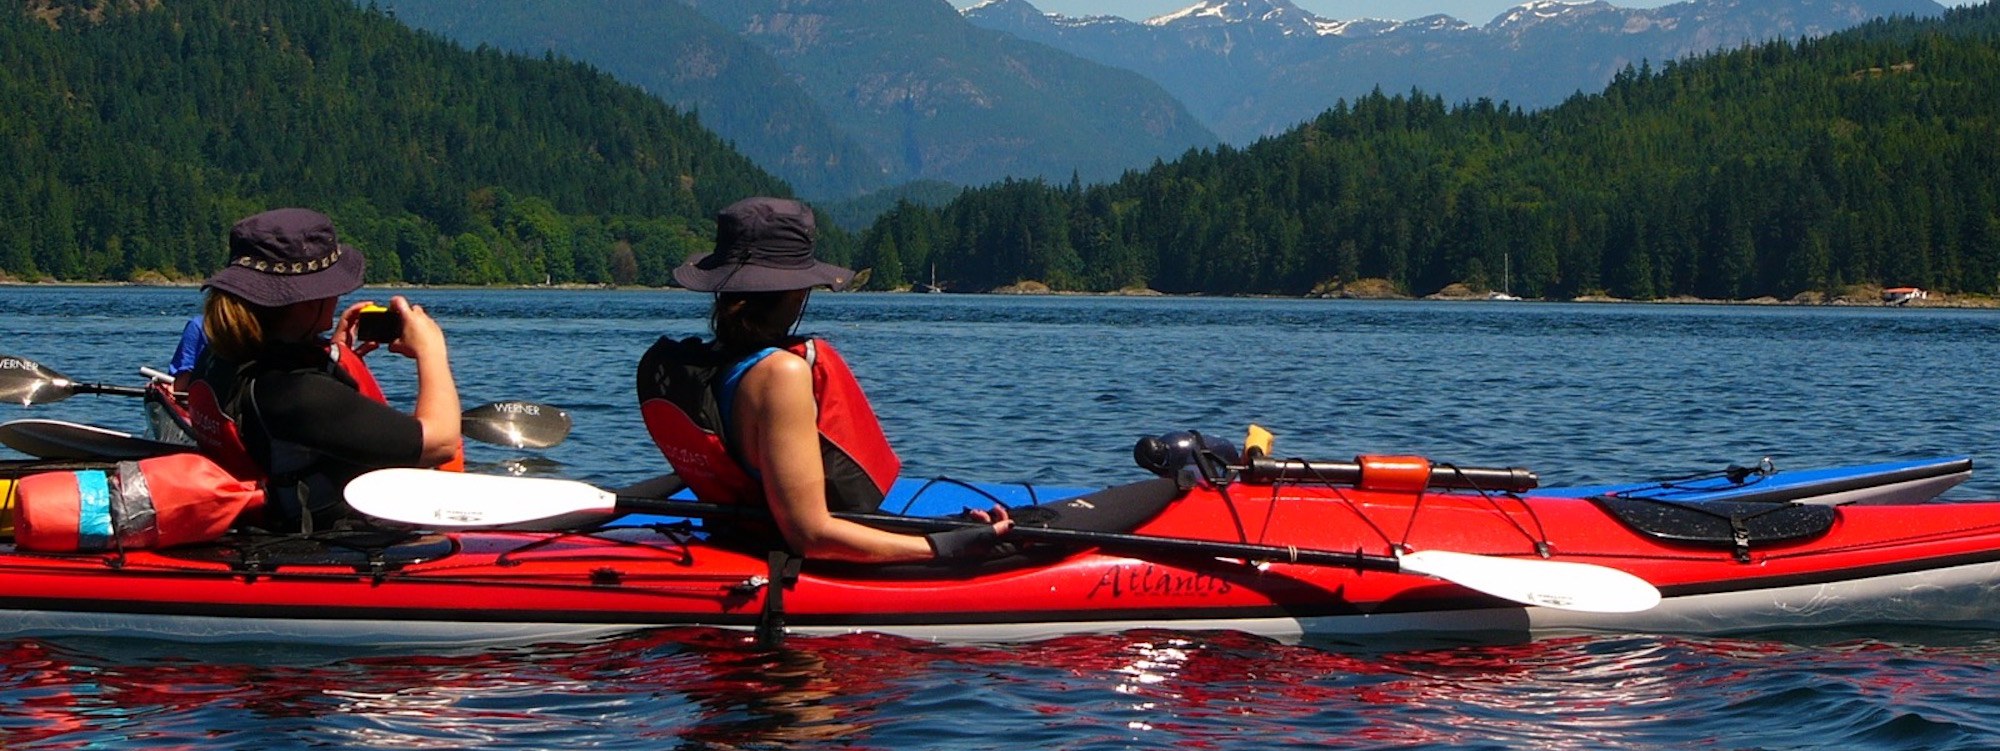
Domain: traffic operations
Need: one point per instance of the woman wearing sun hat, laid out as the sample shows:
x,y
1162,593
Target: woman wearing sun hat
x,y
272,397
761,416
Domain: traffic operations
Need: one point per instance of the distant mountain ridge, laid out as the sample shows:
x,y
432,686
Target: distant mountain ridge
x,y
1252,68
684,59
840,98
947,100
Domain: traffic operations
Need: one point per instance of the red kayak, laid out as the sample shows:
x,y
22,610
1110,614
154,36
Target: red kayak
x,y
1273,556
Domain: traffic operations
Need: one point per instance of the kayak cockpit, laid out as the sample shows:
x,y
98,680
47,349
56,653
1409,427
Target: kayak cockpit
x,y
1119,509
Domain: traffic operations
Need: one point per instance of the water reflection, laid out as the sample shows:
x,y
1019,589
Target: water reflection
x,y
787,696
703,689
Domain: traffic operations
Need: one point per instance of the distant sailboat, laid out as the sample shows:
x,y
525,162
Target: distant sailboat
x,y
1506,280
933,286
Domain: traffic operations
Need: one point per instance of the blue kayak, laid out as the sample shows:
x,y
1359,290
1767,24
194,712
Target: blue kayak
x,y
1913,481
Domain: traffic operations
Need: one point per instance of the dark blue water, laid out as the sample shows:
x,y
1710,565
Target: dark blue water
x,y
1055,390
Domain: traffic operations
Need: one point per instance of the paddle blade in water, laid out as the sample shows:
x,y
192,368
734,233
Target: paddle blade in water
x,y
1551,584
517,424
56,439
26,382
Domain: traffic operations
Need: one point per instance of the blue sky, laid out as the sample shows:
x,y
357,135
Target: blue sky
x,y
1476,12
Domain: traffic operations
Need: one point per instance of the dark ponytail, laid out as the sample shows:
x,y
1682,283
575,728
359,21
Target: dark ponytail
x,y
748,321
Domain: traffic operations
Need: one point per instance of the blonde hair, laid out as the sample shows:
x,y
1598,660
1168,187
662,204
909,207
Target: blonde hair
x,y
236,328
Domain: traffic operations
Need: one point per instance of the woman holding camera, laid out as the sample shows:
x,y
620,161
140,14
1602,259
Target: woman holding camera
x,y
273,397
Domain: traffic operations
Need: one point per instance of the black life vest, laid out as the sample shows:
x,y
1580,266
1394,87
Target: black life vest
x,y
221,398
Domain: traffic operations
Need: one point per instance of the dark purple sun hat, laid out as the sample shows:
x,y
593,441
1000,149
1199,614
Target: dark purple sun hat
x,y
762,245
286,256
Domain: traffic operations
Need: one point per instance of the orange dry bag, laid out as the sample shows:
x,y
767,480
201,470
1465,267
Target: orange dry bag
x,y
150,503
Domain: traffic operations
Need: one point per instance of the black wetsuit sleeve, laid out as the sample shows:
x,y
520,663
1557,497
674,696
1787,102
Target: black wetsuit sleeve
x,y
318,412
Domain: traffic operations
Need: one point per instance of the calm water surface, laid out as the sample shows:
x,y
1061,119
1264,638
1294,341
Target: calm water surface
x,y
1055,390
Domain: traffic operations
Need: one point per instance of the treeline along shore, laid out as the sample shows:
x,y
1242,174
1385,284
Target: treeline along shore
x,y
1793,167
1795,170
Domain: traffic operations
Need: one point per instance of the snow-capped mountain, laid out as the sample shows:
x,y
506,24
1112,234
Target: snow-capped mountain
x,y
1277,14
1250,68
1543,11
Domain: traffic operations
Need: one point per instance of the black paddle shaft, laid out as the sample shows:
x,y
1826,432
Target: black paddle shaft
x,y
102,388
29,382
1077,537
1150,544
1265,470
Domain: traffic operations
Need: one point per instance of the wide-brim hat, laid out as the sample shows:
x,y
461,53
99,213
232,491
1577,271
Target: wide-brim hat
x,y
287,256
762,245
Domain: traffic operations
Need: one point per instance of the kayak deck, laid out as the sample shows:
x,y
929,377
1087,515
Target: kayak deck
x,y
1899,482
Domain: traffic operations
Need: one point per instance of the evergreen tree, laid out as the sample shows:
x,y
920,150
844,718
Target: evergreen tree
x,y
141,131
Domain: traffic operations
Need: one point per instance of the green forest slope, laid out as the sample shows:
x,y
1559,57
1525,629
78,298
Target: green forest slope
x,y
684,59
135,132
1872,156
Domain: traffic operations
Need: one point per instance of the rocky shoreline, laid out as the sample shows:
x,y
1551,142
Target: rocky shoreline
x,y
1860,295
1365,289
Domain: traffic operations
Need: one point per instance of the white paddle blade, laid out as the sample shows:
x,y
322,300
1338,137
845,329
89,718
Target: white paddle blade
x,y
430,498
1550,584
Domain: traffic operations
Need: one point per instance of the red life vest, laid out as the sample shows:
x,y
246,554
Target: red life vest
x,y
684,385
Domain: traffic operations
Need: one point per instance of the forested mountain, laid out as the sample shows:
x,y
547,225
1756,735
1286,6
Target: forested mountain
x,y
734,87
1868,156
841,97
858,213
1254,68
942,99
137,132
